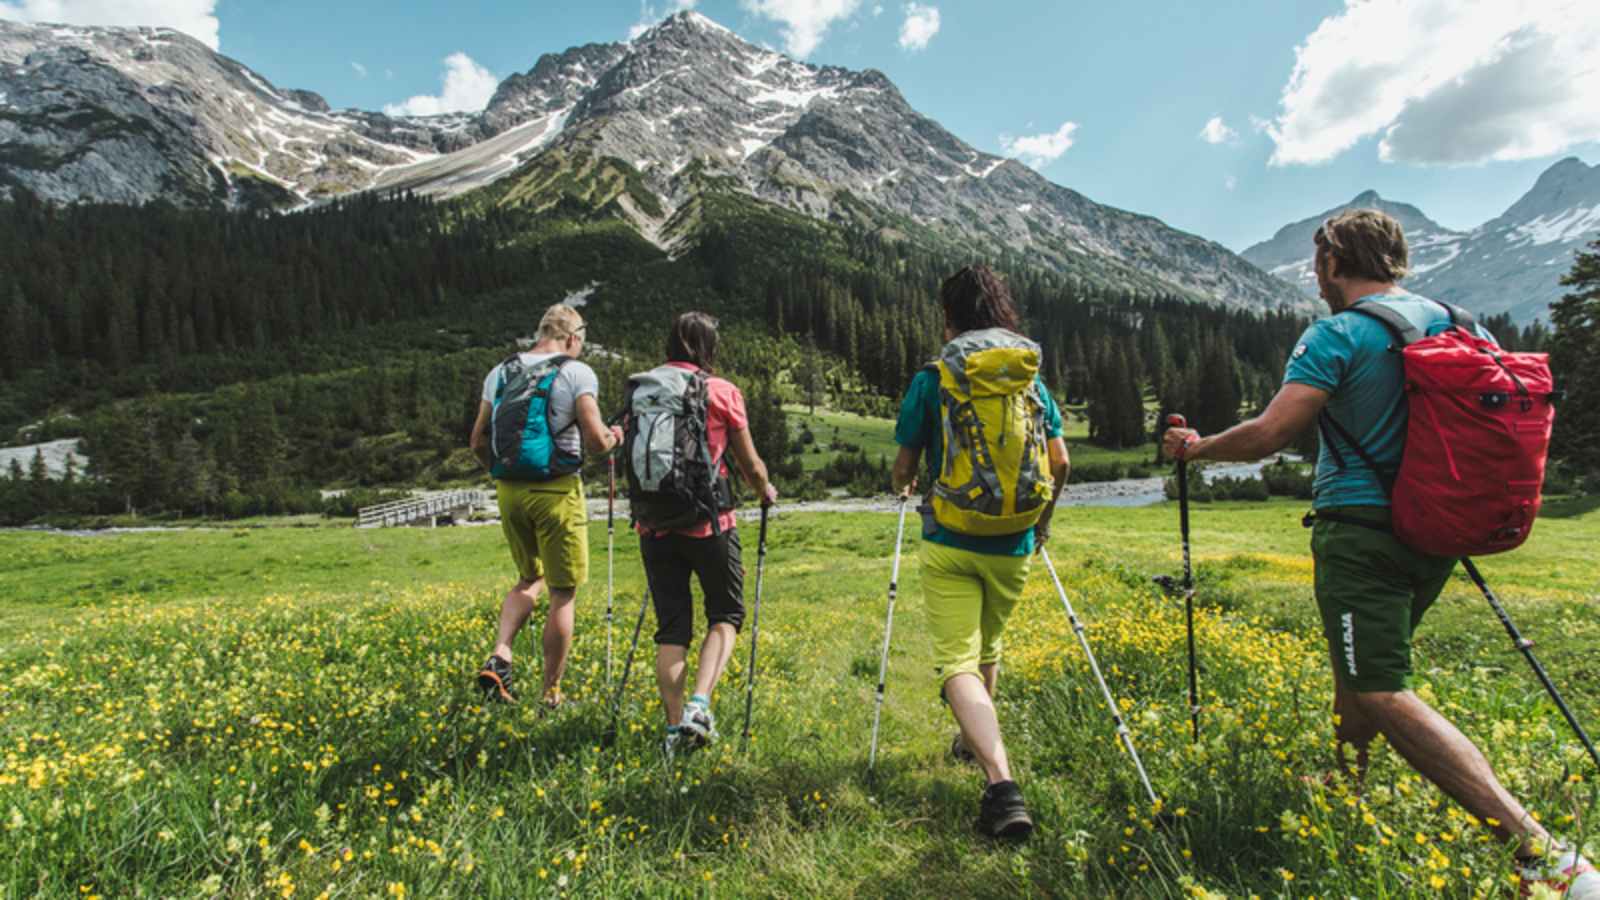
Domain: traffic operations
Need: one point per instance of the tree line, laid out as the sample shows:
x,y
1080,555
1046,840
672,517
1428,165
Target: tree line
x,y
224,362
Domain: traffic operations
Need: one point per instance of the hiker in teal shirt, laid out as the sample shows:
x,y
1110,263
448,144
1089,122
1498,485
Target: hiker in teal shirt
x,y
1349,358
918,429
1371,589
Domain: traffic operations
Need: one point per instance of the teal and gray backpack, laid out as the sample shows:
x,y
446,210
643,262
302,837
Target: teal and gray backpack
x,y
672,481
522,440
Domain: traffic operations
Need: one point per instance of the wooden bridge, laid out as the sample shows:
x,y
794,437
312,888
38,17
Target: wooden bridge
x,y
429,508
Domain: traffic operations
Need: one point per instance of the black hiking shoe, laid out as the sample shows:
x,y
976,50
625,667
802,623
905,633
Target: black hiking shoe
x,y
1002,814
494,679
961,753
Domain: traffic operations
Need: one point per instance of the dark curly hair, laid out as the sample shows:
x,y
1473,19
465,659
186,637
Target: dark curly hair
x,y
976,298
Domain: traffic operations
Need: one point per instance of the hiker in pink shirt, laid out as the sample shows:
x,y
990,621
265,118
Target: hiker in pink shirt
x,y
683,424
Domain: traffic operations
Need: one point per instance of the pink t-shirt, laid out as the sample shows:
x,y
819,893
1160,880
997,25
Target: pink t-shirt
x,y
725,417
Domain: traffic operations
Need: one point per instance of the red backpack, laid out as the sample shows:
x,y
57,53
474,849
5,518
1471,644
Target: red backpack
x,y
1476,440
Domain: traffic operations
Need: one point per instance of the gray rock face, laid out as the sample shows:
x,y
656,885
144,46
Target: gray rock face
x,y
136,114
1510,264
685,105
1514,262
1289,253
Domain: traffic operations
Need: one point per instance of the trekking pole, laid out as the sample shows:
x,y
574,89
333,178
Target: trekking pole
x,y
1177,421
1111,702
611,549
610,737
1526,646
755,629
888,627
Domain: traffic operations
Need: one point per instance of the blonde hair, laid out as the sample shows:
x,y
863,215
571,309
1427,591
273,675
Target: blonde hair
x,y
559,323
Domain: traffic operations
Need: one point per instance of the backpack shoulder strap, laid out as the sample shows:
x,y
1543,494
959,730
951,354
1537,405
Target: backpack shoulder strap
x,y
1404,332
1460,317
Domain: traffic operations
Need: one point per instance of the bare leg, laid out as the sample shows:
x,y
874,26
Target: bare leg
x,y
1446,757
514,613
672,667
1355,728
714,654
980,727
991,677
557,636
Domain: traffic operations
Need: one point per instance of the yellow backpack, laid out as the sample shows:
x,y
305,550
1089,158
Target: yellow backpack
x,y
995,475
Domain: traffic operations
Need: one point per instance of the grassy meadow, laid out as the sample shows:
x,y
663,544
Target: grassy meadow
x,y
288,712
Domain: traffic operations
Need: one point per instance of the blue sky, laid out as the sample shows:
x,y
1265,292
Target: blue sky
x,y
1125,89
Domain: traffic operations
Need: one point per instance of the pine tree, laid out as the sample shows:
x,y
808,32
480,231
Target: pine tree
x,y
1574,347
1219,396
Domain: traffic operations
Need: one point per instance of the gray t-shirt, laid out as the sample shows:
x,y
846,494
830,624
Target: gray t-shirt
x,y
575,380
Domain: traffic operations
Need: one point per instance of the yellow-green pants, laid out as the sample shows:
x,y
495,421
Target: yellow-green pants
x,y
969,598
546,524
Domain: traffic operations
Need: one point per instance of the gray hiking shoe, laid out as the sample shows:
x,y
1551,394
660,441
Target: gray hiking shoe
x,y
961,753
699,724
673,743
494,680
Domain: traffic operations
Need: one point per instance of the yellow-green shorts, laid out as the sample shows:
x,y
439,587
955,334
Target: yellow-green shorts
x,y
547,526
969,597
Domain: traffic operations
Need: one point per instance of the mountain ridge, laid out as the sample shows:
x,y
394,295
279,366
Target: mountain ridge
x,y
833,143
1510,264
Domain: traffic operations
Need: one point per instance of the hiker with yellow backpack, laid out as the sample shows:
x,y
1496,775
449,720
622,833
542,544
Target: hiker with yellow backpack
x,y
990,435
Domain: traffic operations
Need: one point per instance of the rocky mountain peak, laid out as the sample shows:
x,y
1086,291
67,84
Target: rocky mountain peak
x,y
638,129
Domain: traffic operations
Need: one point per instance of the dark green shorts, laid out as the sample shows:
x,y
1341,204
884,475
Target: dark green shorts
x,y
1372,591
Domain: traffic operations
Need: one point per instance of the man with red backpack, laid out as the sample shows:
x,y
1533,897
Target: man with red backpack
x,y
1346,376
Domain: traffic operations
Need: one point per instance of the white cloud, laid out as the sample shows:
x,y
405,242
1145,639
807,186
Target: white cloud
x,y
649,16
804,21
1040,150
921,24
1443,82
877,10
361,71
467,88
1230,182
196,18
1217,131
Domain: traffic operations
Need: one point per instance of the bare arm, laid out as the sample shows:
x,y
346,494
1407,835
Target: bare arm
x,y
1060,468
751,466
904,474
479,441
597,438
1291,412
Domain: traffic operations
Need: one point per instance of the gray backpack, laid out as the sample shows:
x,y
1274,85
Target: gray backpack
x,y
672,481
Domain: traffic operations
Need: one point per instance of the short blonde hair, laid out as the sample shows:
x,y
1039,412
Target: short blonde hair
x,y
559,323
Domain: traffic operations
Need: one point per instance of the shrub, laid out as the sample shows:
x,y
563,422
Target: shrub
x,y
1092,472
1288,479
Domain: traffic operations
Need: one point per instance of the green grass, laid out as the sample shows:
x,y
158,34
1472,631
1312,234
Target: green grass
x,y
874,435
253,712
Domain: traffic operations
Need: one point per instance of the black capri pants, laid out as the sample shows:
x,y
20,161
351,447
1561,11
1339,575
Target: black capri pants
x,y
669,560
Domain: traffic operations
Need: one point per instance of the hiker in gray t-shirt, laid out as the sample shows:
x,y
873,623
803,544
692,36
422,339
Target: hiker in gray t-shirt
x,y
544,517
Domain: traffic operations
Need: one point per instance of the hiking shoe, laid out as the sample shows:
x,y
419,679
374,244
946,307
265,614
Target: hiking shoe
x,y
673,743
1568,874
494,679
699,723
1002,814
961,753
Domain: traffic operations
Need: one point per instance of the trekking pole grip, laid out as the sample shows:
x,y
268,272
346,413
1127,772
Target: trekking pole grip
x,y
761,546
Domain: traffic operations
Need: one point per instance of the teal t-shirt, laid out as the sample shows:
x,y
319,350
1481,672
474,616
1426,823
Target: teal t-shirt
x,y
918,429
1348,356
